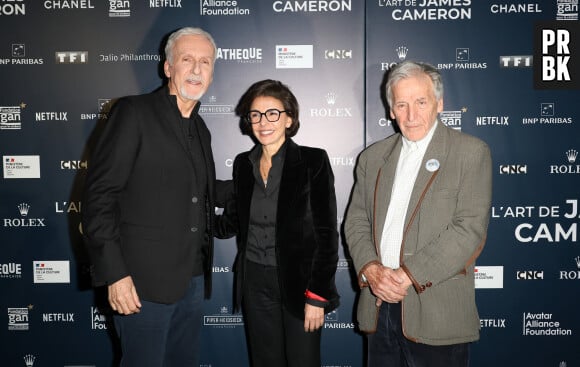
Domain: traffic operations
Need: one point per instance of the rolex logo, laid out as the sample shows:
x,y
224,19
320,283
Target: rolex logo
x,y
577,259
23,209
402,52
331,98
571,154
29,360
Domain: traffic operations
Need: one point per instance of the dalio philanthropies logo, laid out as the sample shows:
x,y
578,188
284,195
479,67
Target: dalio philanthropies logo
x,y
558,55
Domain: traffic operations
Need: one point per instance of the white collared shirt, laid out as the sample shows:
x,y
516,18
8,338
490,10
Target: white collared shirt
x,y
408,167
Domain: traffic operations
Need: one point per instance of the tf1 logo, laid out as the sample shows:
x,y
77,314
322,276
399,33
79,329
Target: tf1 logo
x,y
71,57
557,55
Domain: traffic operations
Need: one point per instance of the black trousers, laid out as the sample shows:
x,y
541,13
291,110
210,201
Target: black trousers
x,y
275,337
388,347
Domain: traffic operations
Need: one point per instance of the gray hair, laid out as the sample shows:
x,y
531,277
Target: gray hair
x,y
186,31
408,69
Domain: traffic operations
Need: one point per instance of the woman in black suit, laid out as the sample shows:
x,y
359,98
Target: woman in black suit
x,y
284,216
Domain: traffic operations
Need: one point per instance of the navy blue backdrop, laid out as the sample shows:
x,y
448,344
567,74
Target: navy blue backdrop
x,y
63,62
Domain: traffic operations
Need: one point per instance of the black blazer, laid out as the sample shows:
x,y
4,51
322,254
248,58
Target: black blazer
x,y
306,227
137,217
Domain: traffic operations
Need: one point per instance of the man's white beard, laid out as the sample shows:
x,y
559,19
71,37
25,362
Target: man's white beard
x,y
193,97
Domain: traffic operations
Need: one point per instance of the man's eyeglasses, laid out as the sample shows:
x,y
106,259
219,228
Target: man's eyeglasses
x,y
272,115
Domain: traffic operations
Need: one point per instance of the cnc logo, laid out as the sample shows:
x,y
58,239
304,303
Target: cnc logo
x,y
529,274
338,54
513,169
73,165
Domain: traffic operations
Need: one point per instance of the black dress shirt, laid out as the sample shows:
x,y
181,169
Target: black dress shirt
x,y
261,246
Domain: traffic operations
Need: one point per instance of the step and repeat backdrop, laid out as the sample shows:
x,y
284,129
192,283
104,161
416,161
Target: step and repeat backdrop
x,y
511,74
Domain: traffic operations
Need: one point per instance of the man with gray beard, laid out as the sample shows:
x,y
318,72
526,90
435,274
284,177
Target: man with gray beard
x,y
148,209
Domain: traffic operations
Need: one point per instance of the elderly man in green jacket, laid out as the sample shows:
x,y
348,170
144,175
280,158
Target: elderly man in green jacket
x,y
416,222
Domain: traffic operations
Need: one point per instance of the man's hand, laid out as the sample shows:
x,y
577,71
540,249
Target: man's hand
x,y
387,284
313,317
123,296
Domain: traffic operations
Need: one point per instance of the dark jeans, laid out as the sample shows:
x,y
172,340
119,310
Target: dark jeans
x,y
163,335
275,337
389,348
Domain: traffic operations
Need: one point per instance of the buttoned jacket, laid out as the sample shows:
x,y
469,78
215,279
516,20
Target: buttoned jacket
x,y
140,196
445,230
306,242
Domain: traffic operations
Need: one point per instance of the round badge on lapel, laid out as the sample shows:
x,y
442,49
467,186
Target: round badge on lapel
x,y
432,165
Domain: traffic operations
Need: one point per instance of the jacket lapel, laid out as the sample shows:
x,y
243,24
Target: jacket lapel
x,y
291,173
